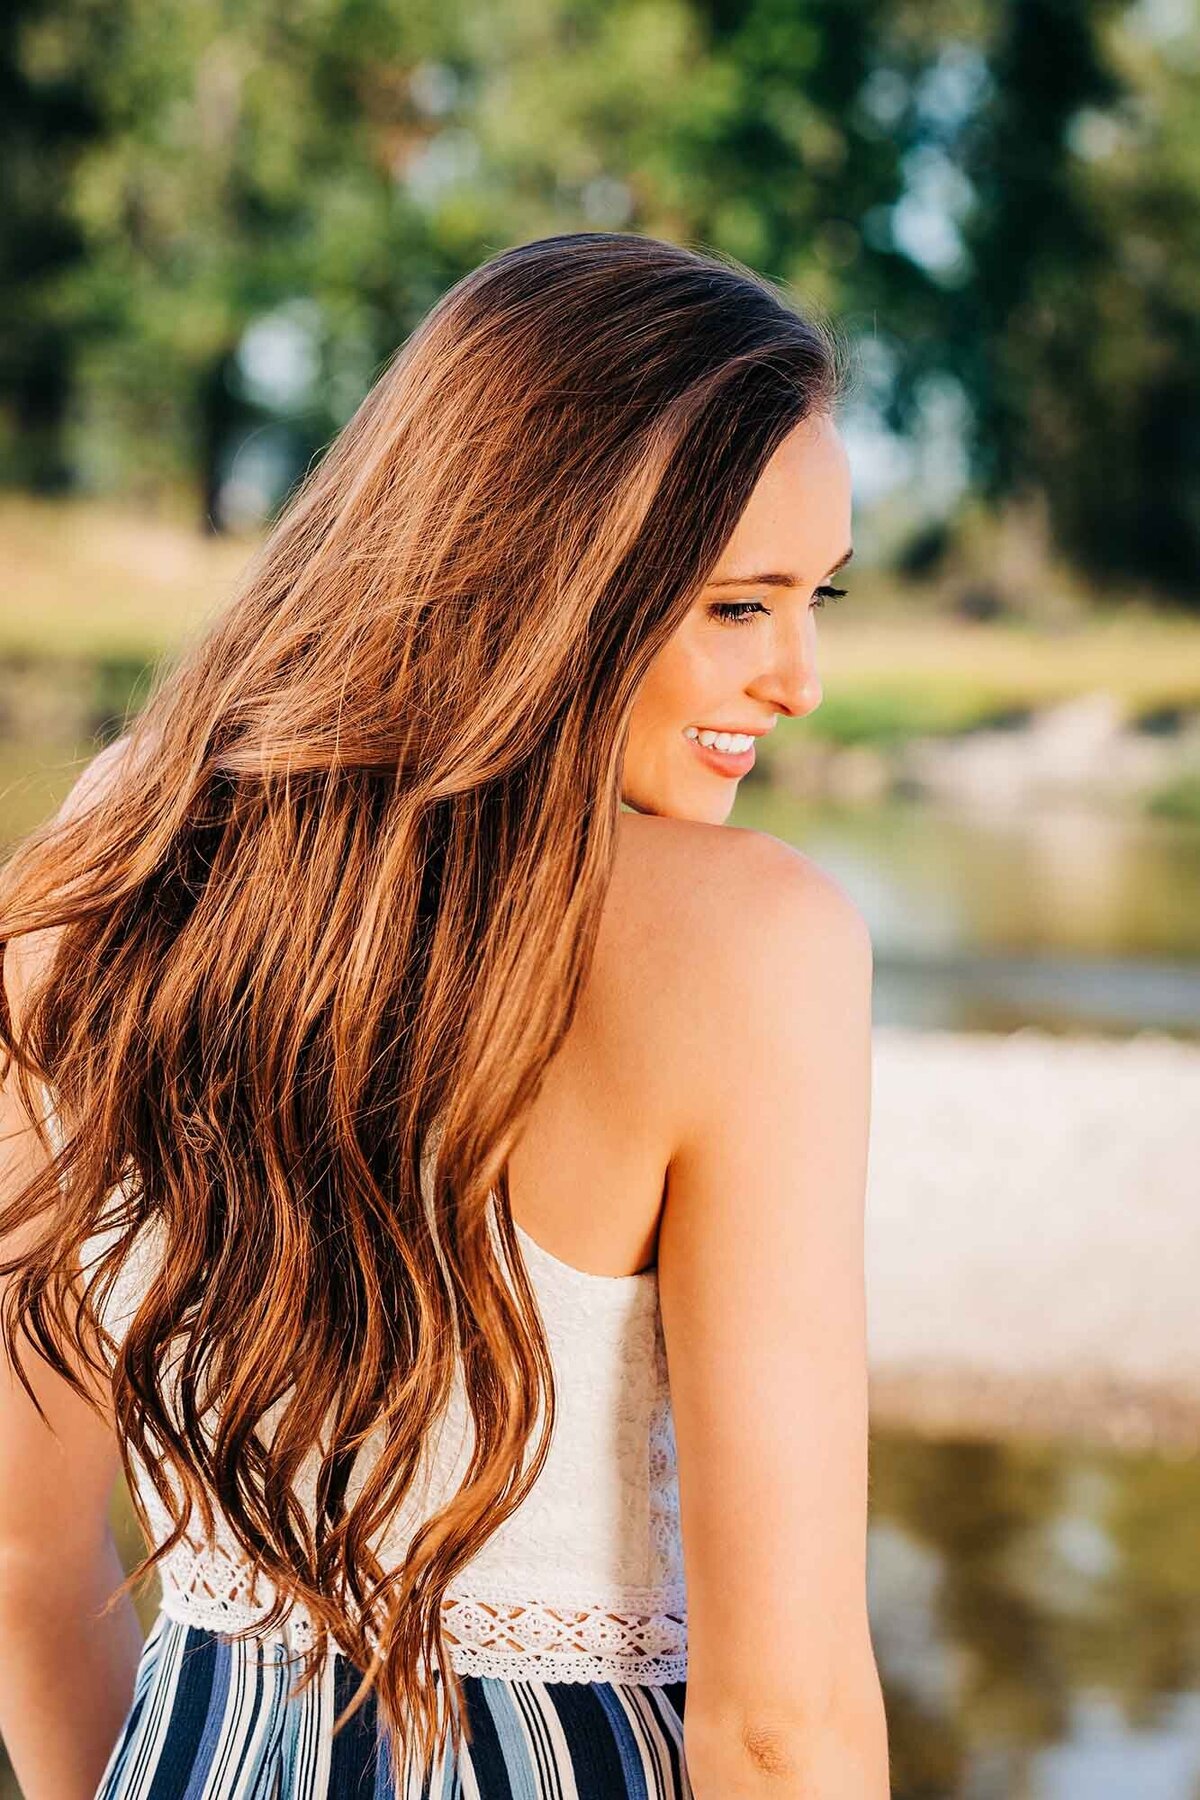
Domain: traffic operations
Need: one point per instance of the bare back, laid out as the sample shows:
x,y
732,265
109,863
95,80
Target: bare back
x,y
588,1176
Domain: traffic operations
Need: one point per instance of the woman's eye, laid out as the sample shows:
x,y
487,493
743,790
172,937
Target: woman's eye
x,y
733,611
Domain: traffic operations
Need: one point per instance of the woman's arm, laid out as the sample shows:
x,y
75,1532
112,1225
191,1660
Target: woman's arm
x,y
66,1671
66,1674
762,1292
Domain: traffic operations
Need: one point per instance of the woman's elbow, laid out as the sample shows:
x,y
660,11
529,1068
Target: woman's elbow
x,y
836,1750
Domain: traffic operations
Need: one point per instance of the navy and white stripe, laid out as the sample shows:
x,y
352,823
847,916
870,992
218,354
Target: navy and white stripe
x,y
211,1719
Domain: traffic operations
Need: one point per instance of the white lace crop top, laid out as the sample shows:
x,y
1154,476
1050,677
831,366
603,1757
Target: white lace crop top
x,y
584,1582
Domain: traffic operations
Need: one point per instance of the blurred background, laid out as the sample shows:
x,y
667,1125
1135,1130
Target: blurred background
x,y
219,221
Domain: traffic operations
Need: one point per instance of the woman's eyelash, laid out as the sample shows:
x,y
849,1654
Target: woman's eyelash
x,y
733,611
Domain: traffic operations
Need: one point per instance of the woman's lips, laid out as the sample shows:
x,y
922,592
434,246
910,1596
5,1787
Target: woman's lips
x,y
723,762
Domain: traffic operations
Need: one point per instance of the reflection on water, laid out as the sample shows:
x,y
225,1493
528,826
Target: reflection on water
x,y
1066,920
1036,1613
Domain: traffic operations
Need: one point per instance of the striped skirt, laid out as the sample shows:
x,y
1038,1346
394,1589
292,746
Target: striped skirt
x,y
211,1719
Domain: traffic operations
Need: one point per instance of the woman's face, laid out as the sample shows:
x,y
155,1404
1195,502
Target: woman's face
x,y
747,649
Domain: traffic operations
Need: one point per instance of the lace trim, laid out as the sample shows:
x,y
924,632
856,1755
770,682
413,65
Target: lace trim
x,y
492,1637
642,1638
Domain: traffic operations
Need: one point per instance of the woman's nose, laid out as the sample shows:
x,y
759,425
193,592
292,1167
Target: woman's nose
x,y
792,684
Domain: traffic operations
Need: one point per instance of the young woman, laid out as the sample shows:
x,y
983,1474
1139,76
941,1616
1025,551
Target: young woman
x,y
389,1109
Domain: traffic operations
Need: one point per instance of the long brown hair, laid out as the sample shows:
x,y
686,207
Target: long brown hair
x,y
343,887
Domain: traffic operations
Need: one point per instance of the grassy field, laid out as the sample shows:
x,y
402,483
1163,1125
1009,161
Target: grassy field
x,y
89,579
96,581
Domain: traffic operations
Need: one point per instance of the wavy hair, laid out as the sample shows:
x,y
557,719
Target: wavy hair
x,y
342,887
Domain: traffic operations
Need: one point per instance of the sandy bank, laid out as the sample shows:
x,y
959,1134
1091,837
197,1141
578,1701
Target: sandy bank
x,y
1033,1234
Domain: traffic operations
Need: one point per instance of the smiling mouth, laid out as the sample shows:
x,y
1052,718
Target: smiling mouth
x,y
721,737
731,763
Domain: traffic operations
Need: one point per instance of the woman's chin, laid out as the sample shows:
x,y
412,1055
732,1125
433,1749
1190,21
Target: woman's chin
x,y
692,802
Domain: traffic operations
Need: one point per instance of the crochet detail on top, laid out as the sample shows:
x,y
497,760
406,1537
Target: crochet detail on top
x,y
583,1582
643,1641
593,1644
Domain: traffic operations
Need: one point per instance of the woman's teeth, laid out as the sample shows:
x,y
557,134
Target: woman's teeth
x,y
733,742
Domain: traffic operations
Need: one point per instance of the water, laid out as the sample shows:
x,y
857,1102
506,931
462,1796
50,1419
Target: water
x,y
1069,920
1036,1615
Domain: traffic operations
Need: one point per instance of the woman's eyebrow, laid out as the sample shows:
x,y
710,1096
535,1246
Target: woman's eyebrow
x,y
775,578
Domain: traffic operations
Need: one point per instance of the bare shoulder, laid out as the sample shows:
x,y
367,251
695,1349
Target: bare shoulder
x,y
729,942
717,903
27,958
97,777
655,851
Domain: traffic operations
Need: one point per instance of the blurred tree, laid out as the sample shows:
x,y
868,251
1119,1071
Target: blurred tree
x,y
1078,332
362,155
46,117
1054,194
233,215
791,167
1031,238
240,162
1134,508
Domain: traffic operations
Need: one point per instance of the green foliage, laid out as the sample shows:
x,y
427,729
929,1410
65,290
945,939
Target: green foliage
x,y
866,712
47,117
1005,193
1178,799
120,686
1073,319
